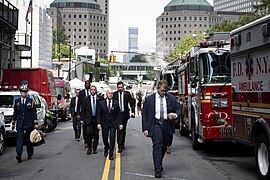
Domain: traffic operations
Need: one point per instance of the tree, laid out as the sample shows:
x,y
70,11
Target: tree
x,y
62,38
186,44
150,75
138,58
262,8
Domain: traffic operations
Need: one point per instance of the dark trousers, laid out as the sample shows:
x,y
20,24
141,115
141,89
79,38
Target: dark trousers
x,y
89,130
121,135
160,142
24,135
84,134
76,127
170,140
95,136
105,134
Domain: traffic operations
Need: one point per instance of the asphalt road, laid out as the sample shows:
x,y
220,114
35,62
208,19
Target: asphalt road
x,y
64,158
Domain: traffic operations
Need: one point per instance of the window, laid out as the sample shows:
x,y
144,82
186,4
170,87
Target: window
x,y
85,16
80,16
75,16
80,23
64,15
185,18
85,23
179,18
179,25
69,16
80,36
84,36
69,23
74,23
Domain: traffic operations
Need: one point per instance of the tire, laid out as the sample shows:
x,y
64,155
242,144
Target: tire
x,y
183,131
194,135
49,125
262,157
2,142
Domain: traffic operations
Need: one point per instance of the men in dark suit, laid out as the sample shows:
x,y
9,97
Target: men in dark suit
x,y
89,119
125,100
25,116
109,120
159,113
83,94
74,111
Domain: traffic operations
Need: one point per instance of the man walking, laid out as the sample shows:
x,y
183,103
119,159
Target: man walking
x,y
83,94
74,111
109,120
125,100
25,116
159,113
89,119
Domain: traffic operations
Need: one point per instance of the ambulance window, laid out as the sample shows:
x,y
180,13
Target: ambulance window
x,y
8,101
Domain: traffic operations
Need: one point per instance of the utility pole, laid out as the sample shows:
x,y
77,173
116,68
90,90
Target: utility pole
x,y
69,66
58,66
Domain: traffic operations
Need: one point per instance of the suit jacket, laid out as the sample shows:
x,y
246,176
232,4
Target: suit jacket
x,y
86,111
149,112
105,118
25,114
82,96
127,100
72,107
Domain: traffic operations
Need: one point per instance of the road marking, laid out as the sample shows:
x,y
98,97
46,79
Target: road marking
x,y
106,170
117,169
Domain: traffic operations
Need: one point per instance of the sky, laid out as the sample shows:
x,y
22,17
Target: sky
x,y
134,13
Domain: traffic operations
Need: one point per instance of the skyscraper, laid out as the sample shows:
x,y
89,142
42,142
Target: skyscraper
x,y
235,5
132,41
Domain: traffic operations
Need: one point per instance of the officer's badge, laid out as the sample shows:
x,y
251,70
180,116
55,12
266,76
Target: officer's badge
x,y
28,104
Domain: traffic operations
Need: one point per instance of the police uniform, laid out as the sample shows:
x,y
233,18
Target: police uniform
x,y
25,116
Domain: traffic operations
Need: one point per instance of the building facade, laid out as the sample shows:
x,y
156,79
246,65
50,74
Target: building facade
x,y
183,17
235,5
8,25
132,41
84,23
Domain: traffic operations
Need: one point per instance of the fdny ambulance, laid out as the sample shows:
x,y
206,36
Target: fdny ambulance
x,y
250,56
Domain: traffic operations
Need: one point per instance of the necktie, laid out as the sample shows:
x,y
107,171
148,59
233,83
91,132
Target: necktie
x,y
161,108
87,93
93,106
109,106
121,105
23,101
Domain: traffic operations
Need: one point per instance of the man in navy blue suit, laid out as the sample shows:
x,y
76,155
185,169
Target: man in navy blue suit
x,y
25,116
158,122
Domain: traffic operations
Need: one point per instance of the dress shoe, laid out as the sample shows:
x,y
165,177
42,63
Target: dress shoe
x,y
105,153
157,174
78,139
19,159
89,151
169,150
111,157
94,151
119,150
29,157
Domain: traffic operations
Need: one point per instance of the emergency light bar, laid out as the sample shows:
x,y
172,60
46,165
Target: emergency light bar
x,y
218,43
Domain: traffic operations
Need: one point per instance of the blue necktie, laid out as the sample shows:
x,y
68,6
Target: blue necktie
x,y
94,106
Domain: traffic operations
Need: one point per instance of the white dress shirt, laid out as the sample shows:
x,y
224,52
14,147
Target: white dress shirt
x,y
157,114
121,101
76,103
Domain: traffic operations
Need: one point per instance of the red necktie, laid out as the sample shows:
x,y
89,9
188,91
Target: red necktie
x,y
109,106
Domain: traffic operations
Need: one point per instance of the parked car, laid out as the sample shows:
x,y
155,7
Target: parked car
x,y
7,100
2,133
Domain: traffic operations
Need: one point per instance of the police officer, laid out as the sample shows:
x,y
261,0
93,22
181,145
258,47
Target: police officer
x,y
25,116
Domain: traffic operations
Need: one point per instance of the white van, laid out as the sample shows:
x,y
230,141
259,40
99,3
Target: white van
x,y
7,99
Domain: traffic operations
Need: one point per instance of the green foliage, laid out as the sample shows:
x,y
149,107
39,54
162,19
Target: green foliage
x,y
103,60
263,8
62,38
150,75
138,58
186,44
64,51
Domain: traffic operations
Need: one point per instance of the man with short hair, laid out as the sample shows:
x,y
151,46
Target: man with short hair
x,y
25,116
74,111
125,100
158,122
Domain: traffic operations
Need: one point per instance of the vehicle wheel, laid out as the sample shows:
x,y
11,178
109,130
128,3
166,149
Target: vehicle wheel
x,y
2,142
262,157
194,135
182,129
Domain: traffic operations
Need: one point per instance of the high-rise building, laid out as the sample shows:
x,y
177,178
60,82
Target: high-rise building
x,y
132,40
104,4
84,23
235,5
41,35
183,17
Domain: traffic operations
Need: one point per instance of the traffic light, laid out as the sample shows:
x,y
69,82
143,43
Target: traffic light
x,y
114,58
111,58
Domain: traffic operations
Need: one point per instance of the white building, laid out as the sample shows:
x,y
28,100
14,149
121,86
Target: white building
x,y
42,35
235,5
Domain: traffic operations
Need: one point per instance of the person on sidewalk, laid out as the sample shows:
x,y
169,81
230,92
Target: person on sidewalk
x,y
159,113
109,120
74,112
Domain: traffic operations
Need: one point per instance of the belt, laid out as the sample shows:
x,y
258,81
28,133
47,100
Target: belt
x,y
160,121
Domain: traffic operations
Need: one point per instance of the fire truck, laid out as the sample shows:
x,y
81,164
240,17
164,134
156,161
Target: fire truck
x,y
204,86
250,56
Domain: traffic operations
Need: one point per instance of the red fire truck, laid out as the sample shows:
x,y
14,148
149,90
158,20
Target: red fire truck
x,y
250,55
204,83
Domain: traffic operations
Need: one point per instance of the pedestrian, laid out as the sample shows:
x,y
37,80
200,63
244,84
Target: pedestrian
x,y
159,113
25,116
83,94
124,99
109,120
89,119
74,112
139,103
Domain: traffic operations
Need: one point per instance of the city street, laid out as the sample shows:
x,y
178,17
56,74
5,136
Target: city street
x,y
64,158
